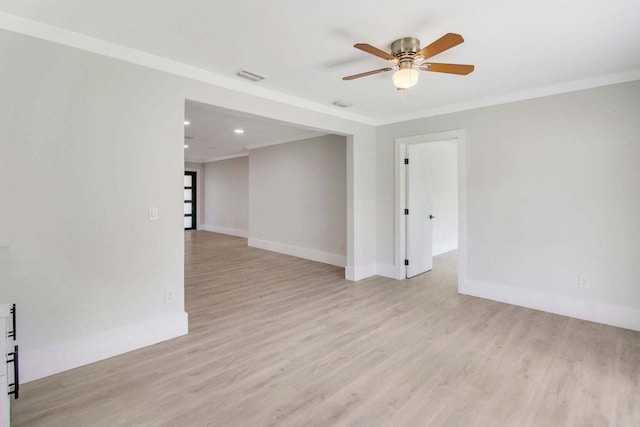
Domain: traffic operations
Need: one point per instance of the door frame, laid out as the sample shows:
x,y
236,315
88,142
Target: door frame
x,y
460,136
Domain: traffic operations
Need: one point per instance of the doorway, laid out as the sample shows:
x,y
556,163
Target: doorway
x,y
190,200
423,184
431,203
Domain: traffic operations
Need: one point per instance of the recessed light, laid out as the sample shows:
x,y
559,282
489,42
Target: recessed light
x,y
187,122
239,131
186,146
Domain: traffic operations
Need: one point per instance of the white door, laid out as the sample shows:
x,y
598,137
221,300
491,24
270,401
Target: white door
x,y
419,221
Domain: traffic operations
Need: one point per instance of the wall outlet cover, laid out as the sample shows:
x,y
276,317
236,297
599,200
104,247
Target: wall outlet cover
x,y
583,283
168,297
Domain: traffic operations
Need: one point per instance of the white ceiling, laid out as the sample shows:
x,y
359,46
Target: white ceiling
x,y
212,129
306,47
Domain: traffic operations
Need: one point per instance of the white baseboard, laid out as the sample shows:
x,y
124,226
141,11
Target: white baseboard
x,y
360,272
622,317
439,250
310,254
61,357
386,270
225,230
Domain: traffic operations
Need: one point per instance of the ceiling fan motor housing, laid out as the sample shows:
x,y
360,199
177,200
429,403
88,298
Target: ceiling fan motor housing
x,y
405,48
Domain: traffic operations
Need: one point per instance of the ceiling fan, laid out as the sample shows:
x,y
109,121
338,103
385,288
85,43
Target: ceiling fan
x,y
406,53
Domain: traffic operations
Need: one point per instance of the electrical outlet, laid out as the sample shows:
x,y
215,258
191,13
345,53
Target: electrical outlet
x,y
583,283
168,296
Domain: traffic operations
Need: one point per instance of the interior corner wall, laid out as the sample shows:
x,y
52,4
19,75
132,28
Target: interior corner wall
x,y
95,144
87,145
226,200
297,198
200,193
553,193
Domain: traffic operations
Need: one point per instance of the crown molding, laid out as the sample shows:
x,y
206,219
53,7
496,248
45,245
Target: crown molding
x,y
90,44
217,159
573,86
64,37
294,138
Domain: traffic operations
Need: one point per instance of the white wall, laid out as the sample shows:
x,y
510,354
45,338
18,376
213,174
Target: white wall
x,y
226,200
553,192
297,198
87,145
6,296
82,134
200,199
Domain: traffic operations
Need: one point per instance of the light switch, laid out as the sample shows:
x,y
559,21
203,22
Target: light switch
x,y
153,214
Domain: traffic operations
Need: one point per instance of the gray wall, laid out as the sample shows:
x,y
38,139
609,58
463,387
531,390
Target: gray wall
x,y
552,191
297,194
5,276
226,199
87,145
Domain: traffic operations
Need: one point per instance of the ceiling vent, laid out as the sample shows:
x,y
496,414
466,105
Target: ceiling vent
x,y
342,103
250,75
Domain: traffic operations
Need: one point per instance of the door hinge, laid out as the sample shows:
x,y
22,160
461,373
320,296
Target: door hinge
x,y
406,211
406,161
406,262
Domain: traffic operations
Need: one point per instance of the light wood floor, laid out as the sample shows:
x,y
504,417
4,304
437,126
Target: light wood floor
x,y
276,340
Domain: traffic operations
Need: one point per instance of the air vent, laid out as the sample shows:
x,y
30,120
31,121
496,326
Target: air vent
x,y
250,75
342,103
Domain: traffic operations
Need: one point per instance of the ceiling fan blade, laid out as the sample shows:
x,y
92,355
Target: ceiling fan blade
x,y
368,73
445,42
374,51
447,68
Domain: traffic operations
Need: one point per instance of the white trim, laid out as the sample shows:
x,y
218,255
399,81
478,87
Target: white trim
x,y
620,316
444,249
101,47
400,189
35,364
233,156
310,254
294,138
351,220
90,44
224,230
360,272
386,270
572,86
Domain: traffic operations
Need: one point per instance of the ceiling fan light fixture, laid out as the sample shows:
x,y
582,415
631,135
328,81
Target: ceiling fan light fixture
x,y
406,54
406,77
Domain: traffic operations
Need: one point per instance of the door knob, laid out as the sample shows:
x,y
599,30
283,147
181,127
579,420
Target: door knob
x,y
431,216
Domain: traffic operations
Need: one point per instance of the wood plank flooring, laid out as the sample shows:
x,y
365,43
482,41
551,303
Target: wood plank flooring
x,y
280,341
